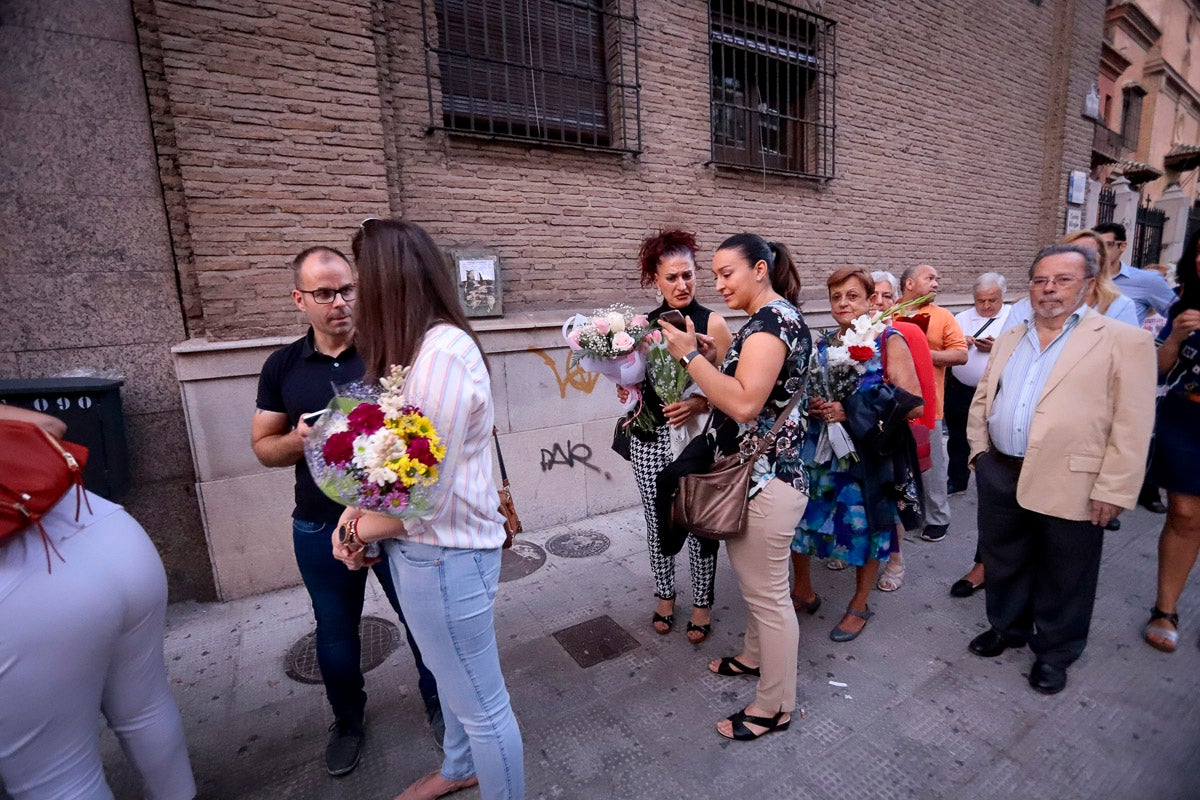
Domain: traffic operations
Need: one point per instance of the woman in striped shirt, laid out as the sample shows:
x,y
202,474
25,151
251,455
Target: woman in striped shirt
x,y
446,564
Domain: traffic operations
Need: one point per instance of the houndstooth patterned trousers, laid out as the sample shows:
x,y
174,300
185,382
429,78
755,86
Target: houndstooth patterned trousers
x,y
648,460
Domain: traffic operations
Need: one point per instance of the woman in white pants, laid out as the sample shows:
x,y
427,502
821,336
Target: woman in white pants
x,y
78,639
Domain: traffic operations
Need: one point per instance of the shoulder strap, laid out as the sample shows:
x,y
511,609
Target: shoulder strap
x,y
769,440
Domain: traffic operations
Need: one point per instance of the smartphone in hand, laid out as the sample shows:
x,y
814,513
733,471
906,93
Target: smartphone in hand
x,y
674,318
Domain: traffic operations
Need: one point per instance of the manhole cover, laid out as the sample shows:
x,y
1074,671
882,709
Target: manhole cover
x,y
380,639
578,544
522,559
595,640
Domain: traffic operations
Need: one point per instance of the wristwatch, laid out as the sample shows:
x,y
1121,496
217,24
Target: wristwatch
x,y
688,358
348,534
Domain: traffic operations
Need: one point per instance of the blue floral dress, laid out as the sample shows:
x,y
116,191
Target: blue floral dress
x,y
835,524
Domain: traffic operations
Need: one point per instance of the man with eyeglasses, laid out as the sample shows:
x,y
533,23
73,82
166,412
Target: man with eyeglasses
x,y
1059,430
297,380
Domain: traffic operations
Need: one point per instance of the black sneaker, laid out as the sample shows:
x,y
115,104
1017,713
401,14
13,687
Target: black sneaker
x,y
934,533
345,746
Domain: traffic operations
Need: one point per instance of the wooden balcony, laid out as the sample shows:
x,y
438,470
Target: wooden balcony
x,y
1108,146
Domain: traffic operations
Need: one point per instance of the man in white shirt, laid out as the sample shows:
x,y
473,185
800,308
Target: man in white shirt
x,y
980,325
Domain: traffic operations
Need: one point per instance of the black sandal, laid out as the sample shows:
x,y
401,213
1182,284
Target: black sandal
x,y
733,668
743,734
704,630
668,620
799,605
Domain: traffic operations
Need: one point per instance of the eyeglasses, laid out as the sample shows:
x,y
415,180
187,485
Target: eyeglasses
x,y
363,225
1059,281
326,296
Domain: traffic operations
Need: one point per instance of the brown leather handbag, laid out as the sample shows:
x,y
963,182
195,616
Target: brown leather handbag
x,y
716,504
508,509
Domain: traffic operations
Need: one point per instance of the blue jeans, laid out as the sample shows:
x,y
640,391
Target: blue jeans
x,y
337,600
449,594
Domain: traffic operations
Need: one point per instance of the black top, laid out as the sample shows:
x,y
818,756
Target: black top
x,y
298,380
698,314
779,318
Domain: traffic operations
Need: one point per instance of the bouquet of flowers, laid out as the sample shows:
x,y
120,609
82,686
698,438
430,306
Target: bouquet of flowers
x,y
609,342
846,360
374,450
672,384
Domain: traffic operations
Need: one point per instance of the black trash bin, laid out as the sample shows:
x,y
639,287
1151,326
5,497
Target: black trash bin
x,y
91,407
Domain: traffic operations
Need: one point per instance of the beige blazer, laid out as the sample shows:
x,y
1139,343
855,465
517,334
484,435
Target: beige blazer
x,y
1091,430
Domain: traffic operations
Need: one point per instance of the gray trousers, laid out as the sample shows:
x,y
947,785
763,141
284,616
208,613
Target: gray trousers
x,y
937,497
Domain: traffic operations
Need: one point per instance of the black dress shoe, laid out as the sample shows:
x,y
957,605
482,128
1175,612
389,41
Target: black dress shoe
x,y
1151,500
964,588
1153,503
1047,678
992,643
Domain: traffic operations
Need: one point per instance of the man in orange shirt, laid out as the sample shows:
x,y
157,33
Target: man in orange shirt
x,y
948,347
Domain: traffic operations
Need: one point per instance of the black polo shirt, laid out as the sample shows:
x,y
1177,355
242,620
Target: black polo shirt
x,y
298,380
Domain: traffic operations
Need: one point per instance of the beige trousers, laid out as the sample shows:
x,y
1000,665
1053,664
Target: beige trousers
x,y
761,561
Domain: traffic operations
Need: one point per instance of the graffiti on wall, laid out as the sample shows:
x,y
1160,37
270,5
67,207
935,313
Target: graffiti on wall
x,y
568,456
569,377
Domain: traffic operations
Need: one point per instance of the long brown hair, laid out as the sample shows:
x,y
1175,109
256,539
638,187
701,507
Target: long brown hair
x,y
405,287
1104,291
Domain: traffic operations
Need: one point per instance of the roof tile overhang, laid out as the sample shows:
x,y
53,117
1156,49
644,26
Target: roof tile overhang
x,y
1183,157
1137,172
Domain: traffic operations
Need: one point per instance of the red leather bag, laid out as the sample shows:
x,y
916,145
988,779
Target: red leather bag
x,y
36,470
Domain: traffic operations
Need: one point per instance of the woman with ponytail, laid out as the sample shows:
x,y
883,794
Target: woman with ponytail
x,y
767,363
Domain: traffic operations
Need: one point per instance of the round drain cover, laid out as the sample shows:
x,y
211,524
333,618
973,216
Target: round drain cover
x,y
522,559
578,544
380,639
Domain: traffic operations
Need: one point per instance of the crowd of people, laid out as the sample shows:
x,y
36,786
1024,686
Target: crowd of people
x,y
1051,402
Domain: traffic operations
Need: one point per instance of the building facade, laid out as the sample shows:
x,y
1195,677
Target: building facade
x,y
538,142
1148,123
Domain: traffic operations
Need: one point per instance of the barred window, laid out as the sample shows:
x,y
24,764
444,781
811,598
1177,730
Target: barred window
x,y
554,71
772,87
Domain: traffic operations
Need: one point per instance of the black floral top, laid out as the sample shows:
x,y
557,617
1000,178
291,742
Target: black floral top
x,y
782,319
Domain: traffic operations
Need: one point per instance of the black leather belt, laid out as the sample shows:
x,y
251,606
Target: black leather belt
x,y
1015,462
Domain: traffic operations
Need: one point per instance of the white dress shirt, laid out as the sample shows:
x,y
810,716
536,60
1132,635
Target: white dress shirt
x,y
971,321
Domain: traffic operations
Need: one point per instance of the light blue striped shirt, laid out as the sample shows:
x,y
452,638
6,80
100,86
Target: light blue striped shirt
x,y
449,381
1021,384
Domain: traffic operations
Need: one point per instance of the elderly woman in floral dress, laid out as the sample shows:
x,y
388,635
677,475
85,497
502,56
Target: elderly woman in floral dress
x,y
853,507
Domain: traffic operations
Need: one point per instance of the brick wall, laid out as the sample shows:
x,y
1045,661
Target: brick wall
x,y
294,120
275,109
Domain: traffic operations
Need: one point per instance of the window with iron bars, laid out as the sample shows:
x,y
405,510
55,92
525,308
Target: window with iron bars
x,y
559,72
772,70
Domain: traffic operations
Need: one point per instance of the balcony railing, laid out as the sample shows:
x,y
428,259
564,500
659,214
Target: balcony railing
x,y
1108,146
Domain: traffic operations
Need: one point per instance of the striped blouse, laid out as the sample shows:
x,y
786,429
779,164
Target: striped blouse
x,y
449,382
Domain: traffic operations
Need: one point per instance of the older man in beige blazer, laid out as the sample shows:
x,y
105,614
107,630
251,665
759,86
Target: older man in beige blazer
x,y
1059,429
